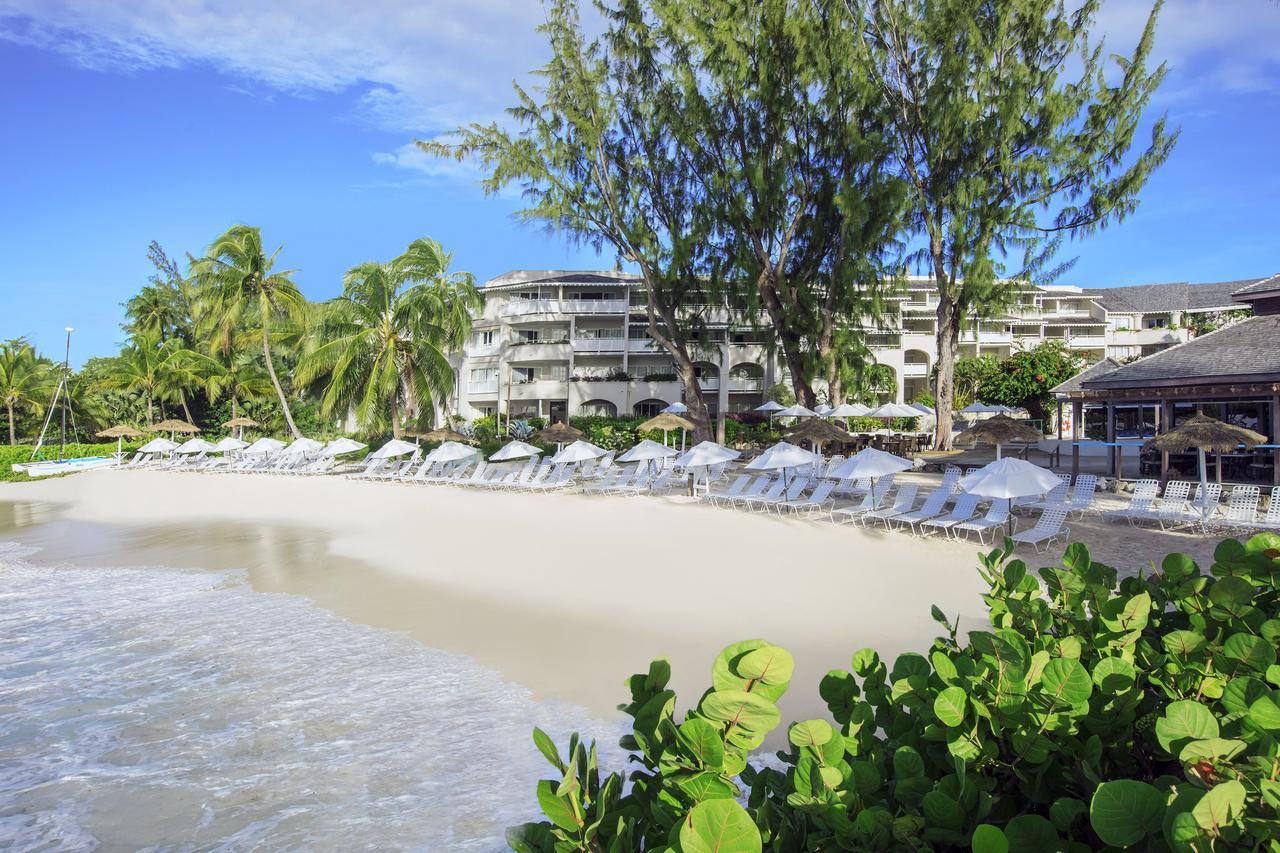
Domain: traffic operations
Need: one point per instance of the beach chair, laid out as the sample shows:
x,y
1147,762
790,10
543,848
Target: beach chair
x,y
663,481
757,488
1242,507
996,518
560,477
1142,504
965,509
735,488
870,501
931,508
1059,496
1204,504
902,504
792,492
1049,527
817,500
608,481
639,483
1171,510
950,476
1082,494
1271,520
771,493
541,473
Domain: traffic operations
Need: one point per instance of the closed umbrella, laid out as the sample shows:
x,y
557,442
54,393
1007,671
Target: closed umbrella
x,y
393,448
1009,478
514,450
869,464
997,431
1206,435
705,454
341,446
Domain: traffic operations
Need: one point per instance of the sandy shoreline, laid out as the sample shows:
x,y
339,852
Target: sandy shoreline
x,y
562,593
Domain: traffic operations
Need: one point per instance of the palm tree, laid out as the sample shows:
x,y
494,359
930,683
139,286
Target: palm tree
x,y
158,371
237,279
240,376
24,381
383,345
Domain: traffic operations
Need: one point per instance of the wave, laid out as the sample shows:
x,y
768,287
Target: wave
x,y
170,709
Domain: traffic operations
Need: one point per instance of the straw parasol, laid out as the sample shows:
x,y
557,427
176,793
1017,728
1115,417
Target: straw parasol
x,y
558,434
817,431
443,434
667,421
238,424
120,432
172,426
997,431
1206,435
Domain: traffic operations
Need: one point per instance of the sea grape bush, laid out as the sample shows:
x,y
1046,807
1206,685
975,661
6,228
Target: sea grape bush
x,y
1090,713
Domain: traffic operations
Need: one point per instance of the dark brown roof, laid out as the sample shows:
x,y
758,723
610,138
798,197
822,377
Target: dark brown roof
x,y
1248,351
1098,368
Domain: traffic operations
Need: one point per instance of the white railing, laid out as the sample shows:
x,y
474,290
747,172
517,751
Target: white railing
x,y
600,344
1086,341
517,307
709,383
915,370
483,387
482,349
641,345
745,384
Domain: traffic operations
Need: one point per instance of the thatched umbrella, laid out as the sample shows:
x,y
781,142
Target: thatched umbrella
x,y
667,421
817,431
998,430
1206,435
445,434
238,424
172,426
120,432
558,434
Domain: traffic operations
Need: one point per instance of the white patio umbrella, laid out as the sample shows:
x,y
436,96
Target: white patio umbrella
x,y
340,446
823,410
796,411
870,464
893,410
265,445
783,456
158,445
195,445
579,451
677,409
923,409
703,455
450,451
229,443
515,450
976,408
648,450
394,447
770,407
849,410
304,445
1009,478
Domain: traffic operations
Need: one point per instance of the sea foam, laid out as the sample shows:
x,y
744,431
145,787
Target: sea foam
x,y
153,708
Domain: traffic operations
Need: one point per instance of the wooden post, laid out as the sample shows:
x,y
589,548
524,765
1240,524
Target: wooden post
x,y
1077,415
1166,422
1275,439
1111,437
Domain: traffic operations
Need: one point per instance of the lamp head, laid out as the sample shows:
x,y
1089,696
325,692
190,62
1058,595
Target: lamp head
x,y
69,329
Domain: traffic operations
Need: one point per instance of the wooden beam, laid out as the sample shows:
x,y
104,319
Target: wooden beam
x,y
1111,437
1077,415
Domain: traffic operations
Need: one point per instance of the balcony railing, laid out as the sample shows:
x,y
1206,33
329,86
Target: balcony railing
x,y
745,384
1086,341
600,344
709,383
520,307
915,370
477,388
482,349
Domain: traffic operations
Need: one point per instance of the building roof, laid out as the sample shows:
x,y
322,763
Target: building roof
x,y
1262,285
1175,296
1244,352
1098,368
520,278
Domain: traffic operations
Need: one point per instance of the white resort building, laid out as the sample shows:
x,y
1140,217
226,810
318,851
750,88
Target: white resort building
x,y
552,343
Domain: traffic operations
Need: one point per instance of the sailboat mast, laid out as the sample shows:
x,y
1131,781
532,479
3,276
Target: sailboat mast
x,y
66,397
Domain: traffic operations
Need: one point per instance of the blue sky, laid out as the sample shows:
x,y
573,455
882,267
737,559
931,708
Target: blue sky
x,y
128,122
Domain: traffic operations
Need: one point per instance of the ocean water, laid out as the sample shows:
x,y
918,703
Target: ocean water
x,y
164,709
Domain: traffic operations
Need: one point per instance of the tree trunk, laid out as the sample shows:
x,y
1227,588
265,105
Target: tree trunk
x,y
182,398
944,381
233,407
271,371
13,436
675,345
396,432
788,340
151,412
827,357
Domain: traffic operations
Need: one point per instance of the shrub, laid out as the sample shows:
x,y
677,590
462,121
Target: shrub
x,y
11,454
1089,712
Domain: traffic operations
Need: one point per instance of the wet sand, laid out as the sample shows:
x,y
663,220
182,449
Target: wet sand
x,y
560,593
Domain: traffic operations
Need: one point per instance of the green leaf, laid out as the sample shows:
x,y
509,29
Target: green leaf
x,y
739,708
1114,675
1183,644
557,809
1231,591
1264,714
811,733
1178,567
1183,722
1221,806
907,665
865,661
707,785
907,763
1253,652
769,665
1126,614
1125,811
1030,833
1067,681
1211,749
950,705
865,777
725,675
548,748
719,826
702,741
989,839
941,811
1065,811
1242,692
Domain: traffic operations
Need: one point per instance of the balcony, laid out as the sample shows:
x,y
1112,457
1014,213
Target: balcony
x,y
482,389
744,384
538,351
1147,337
969,336
525,307
915,370
1086,341
539,389
599,344
477,350
709,383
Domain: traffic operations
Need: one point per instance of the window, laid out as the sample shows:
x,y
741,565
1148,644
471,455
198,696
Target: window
x,y
487,337
528,336
1157,322
522,374
600,334
486,411
483,375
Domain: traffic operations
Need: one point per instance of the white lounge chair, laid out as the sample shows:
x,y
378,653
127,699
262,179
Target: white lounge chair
x,y
1142,504
997,517
1271,520
1242,507
1049,527
870,501
1171,510
903,502
931,508
815,502
965,509
735,488
777,491
758,487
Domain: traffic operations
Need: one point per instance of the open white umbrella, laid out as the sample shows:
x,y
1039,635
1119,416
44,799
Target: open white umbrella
x,y
783,456
195,445
1009,478
893,410
677,409
648,450
158,445
823,410
304,445
922,409
340,446
703,455
870,464
976,408
849,410
394,447
579,451
265,445
450,451
796,411
769,407
515,450
229,443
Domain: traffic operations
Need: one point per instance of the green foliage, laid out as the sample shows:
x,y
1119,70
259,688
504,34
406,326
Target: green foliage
x,y
781,394
26,381
1141,712
1024,380
11,455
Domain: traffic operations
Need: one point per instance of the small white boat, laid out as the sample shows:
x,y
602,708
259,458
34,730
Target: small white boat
x,y
48,468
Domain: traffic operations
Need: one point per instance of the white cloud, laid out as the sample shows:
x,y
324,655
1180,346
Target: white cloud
x,y
426,66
